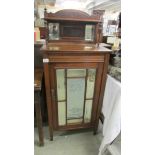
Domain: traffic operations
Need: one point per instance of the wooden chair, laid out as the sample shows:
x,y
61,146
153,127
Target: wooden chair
x,y
38,74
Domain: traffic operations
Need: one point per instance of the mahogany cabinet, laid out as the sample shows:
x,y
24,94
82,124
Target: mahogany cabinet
x,y
75,71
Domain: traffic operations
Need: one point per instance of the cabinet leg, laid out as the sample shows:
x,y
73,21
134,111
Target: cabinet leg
x,y
41,144
39,118
51,133
95,131
50,128
96,127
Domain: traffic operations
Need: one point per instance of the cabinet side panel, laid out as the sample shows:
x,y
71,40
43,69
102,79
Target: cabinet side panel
x,y
48,99
102,88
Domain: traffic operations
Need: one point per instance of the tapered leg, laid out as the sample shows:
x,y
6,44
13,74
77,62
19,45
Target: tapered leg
x,y
95,131
39,118
51,132
96,126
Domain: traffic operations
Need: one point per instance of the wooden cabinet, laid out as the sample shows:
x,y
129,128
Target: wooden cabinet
x,y
75,76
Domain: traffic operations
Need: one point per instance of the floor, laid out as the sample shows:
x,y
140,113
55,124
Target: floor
x,y
68,143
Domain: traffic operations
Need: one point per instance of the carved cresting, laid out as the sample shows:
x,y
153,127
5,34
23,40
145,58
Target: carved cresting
x,y
99,13
72,14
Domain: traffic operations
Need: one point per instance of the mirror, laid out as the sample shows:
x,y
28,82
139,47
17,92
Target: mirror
x,y
75,87
53,31
89,32
61,88
75,97
90,83
88,111
62,113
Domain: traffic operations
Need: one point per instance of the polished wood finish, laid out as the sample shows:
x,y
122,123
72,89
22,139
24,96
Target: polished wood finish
x,y
70,55
48,99
106,45
77,59
38,56
38,63
102,87
75,20
75,127
38,74
43,32
72,15
74,47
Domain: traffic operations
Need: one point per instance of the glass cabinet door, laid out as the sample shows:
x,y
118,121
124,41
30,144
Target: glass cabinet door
x,y
75,93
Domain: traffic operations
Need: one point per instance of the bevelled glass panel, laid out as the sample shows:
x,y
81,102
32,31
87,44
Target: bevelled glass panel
x,y
90,83
62,113
60,76
53,31
89,32
76,72
75,97
88,111
75,121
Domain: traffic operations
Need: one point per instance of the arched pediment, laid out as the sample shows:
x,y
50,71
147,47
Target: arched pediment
x,y
70,14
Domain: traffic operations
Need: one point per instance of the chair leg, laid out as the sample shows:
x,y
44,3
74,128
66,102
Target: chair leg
x,y
39,118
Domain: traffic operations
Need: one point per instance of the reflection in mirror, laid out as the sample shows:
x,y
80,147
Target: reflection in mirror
x,y
90,83
62,113
53,31
89,32
60,76
75,97
88,110
76,72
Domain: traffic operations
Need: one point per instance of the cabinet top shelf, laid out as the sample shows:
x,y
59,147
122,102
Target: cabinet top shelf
x,y
72,47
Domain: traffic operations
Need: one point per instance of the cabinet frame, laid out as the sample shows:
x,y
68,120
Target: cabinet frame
x,y
50,82
74,52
